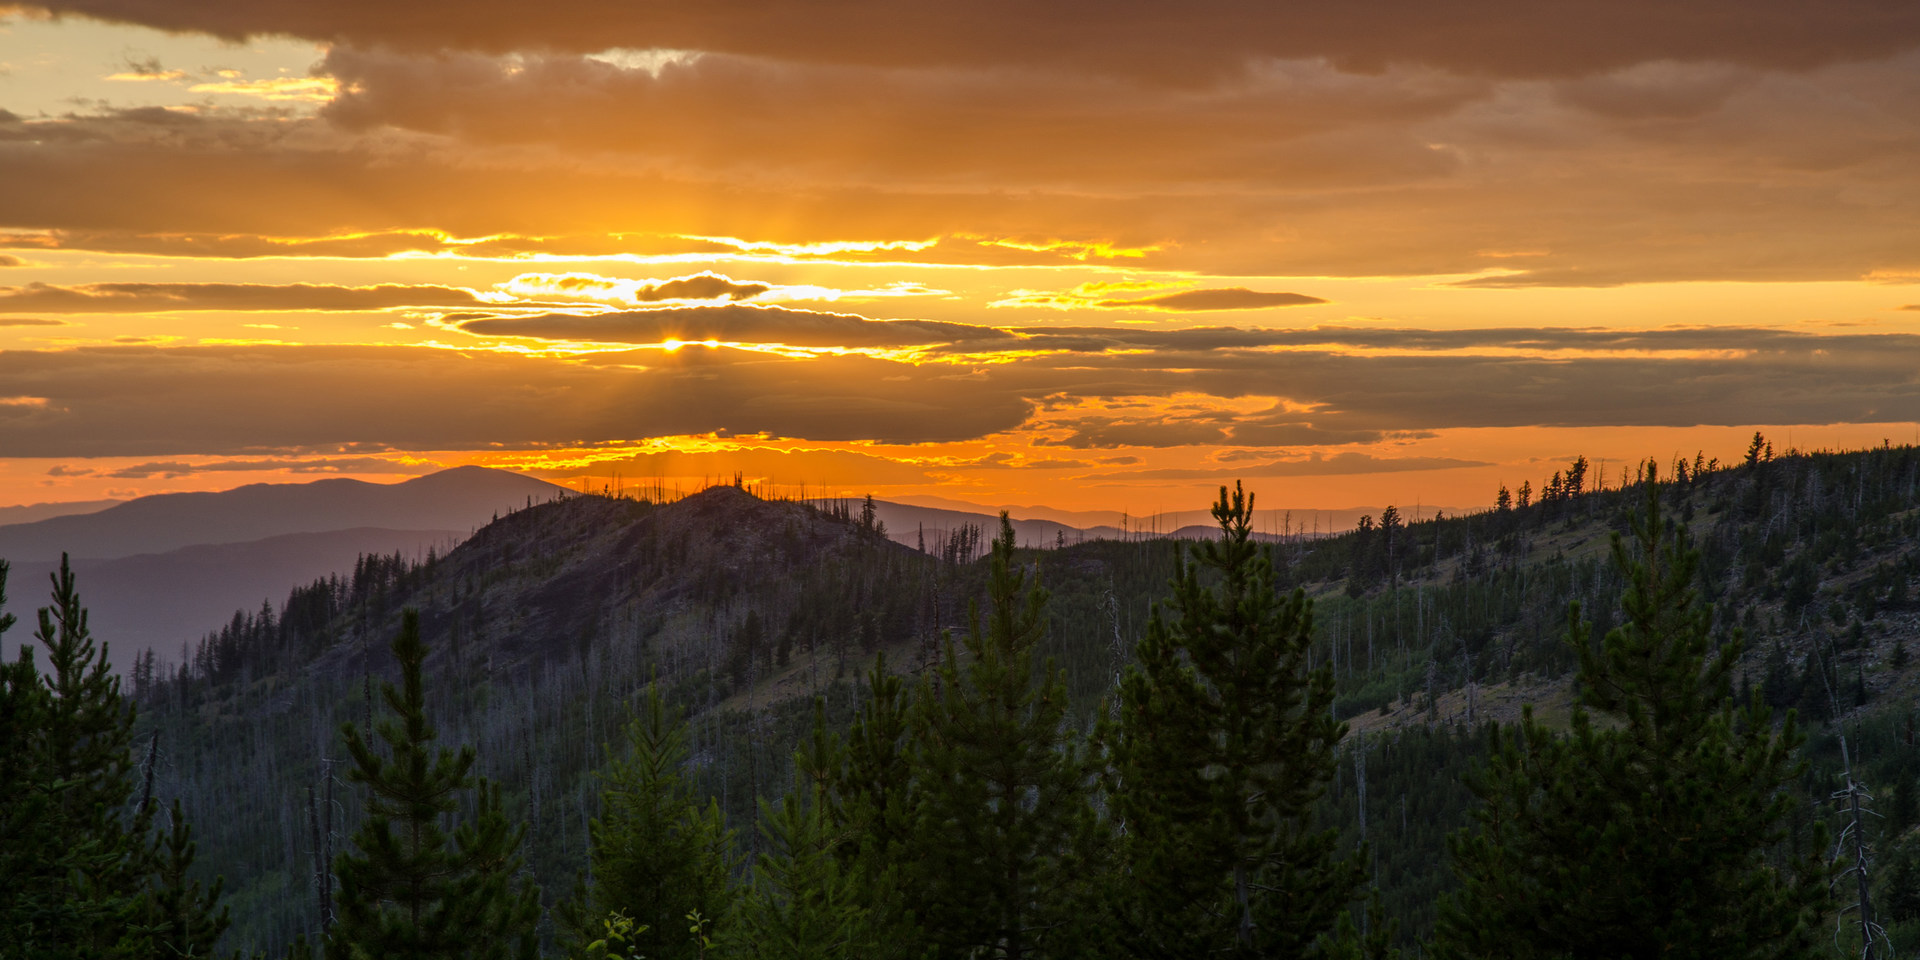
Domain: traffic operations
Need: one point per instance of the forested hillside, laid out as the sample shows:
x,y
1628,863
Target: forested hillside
x,y
543,632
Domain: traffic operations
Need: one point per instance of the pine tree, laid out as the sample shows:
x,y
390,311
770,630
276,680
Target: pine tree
x,y
176,918
865,784
1224,740
803,902
1002,807
407,889
657,855
86,748
36,916
870,773
1654,832
80,872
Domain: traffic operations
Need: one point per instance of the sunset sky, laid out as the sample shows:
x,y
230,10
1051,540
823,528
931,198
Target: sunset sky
x,y
1092,255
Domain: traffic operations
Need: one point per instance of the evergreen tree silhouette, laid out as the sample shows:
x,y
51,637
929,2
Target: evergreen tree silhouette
x,y
81,874
408,890
1002,808
1654,832
1224,740
176,919
802,902
657,855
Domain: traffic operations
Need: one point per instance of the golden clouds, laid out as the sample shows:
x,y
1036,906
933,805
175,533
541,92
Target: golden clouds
x,y
693,288
275,89
163,297
700,286
1098,296
1226,298
740,324
228,81
1081,250
1345,464
674,219
1176,388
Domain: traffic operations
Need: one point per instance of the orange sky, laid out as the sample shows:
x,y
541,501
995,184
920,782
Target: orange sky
x,y
1084,255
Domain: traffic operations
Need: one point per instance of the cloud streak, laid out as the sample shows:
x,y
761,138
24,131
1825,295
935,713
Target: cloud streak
x,y
162,297
732,324
699,286
1226,298
1342,464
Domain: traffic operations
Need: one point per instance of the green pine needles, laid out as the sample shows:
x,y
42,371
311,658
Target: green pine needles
x,y
1002,811
83,870
1225,738
658,856
802,902
1654,831
410,890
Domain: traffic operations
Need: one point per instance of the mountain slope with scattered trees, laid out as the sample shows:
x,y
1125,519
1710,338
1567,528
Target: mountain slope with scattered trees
x,y
759,622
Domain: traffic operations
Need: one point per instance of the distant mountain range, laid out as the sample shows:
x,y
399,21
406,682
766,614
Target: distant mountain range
x,y
29,512
162,570
464,499
162,600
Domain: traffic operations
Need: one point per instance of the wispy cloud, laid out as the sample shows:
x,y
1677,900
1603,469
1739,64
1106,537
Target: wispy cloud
x,y
1341,464
1099,295
227,81
170,469
699,286
1225,298
149,297
274,89
739,323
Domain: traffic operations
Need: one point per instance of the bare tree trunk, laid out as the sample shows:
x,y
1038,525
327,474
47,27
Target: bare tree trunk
x,y
322,900
1360,782
153,756
1860,873
1240,894
326,862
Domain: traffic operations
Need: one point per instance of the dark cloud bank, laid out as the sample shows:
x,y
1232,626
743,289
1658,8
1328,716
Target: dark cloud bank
x,y
168,401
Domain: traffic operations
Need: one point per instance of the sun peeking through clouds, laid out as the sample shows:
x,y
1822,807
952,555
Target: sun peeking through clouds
x,y
1010,256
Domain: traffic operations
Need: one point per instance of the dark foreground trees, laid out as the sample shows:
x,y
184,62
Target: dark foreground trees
x,y
1652,832
84,869
1001,813
1225,738
408,891
801,901
661,861
957,812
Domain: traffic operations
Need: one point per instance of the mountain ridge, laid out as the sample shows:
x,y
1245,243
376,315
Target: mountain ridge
x,y
462,498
